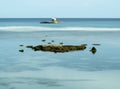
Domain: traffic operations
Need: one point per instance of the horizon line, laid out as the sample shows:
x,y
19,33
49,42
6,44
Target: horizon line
x,y
58,18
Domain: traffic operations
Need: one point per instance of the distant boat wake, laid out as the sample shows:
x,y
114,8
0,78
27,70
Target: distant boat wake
x,y
38,28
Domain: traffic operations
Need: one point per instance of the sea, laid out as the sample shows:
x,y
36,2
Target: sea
x,y
69,70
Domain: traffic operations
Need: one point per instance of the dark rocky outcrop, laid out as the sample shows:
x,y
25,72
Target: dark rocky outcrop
x,y
57,48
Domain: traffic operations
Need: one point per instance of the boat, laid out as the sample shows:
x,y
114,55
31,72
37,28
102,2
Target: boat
x,y
53,21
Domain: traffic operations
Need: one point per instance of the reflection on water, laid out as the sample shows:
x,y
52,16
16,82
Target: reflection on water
x,y
77,80
9,83
13,83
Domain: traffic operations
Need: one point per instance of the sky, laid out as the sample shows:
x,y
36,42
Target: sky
x,y
59,8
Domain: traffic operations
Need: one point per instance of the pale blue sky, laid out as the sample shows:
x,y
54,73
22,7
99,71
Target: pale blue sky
x,y
60,8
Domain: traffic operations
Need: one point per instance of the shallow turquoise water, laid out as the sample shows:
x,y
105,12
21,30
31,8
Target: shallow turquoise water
x,y
46,70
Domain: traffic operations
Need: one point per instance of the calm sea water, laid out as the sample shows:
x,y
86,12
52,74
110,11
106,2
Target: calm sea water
x,y
65,22
71,70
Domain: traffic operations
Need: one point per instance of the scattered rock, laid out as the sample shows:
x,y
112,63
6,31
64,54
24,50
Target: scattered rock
x,y
61,43
52,41
21,45
49,42
43,40
22,50
93,50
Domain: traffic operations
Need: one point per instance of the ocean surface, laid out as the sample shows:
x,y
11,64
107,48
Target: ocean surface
x,y
69,70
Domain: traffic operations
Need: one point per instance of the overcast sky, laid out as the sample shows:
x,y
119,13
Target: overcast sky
x,y
59,8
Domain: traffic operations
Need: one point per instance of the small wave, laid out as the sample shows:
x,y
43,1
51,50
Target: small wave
x,y
35,28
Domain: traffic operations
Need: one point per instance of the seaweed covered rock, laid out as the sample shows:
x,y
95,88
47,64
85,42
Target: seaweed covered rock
x,y
57,48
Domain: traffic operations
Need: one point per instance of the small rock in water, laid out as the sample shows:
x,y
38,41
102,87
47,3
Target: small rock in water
x,y
61,43
93,50
21,50
49,43
52,41
21,45
43,40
